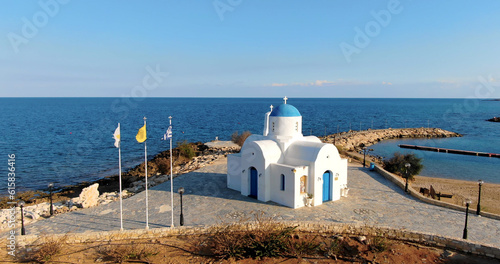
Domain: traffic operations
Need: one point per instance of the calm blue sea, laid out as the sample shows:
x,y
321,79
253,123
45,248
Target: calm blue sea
x,y
69,140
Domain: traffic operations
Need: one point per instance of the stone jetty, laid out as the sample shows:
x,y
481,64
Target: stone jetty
x,y
356,140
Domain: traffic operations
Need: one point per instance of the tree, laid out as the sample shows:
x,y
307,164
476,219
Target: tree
x,y
186,149
240,139
396,164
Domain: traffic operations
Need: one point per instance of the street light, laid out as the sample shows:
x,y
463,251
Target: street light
x,y
365,150
478,211
467,203
23,231
181,191
407,165
51,185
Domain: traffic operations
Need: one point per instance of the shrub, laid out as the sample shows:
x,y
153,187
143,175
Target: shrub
x,y
333,248
118,253
265,237
48,248
186,149
396,164
240,139
163,165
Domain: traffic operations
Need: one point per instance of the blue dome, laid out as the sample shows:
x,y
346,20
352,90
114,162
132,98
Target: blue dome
x,y
285,110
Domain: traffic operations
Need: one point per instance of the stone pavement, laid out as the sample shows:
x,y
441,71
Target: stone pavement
x,y
372,200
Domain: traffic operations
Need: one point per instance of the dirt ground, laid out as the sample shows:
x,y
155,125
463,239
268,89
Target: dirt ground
x,y
183,249
462,190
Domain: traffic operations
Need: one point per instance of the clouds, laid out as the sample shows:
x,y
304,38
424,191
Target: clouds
x,y
317,83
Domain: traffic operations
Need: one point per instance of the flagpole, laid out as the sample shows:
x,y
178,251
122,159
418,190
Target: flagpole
x,y
146,169
171,177
120,180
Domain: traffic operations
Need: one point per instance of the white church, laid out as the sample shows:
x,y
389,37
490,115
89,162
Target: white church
x,y
286,167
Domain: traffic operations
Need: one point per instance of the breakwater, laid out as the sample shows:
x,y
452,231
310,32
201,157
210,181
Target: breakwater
x,y
452,151
356,140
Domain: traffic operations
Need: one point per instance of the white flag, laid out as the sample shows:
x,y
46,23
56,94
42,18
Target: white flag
x,y
116,136
168,134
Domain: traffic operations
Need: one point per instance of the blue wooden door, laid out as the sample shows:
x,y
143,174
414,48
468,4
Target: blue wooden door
x,y
253,182
327,189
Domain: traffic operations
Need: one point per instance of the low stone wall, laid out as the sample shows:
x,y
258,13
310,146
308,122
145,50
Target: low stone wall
x,y
401,183
313,227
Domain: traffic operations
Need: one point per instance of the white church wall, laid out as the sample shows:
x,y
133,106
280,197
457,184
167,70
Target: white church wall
x,y
327,160
299,199
287,196
285,126
259,154
343,172
234,171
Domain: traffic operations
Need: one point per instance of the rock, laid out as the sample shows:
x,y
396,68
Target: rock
x,y
32,215
89,196
494,119
361,239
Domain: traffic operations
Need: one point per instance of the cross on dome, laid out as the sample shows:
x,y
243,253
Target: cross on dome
x,y
286,98
272,108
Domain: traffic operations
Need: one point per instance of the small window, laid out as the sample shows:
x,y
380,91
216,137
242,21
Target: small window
x,y
282,182
303,184
273,126
297,126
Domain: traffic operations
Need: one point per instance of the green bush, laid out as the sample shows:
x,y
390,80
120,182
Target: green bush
x,y
186,149
396,164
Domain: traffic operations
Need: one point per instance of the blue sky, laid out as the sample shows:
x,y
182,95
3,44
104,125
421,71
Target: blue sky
x,y
243,48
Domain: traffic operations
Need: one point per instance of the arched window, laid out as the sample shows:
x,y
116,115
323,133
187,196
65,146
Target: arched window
x,y
303,184
282,182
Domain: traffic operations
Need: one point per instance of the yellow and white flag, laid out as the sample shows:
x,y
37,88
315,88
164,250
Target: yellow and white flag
x,y
116,136
141,135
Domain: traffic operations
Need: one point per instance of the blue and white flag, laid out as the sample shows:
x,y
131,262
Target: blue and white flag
x,y
168,134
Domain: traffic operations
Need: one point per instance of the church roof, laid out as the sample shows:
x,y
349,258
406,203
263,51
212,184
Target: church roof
x,y
285,110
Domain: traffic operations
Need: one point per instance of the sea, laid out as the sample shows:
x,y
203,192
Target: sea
x,y
70,140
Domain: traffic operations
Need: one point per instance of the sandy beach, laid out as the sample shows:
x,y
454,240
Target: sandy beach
x,y
462,190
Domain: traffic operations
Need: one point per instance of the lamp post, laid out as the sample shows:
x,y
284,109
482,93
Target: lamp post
x,y
478,211
467,203
51,185
181,191
365,150
23,231
407,165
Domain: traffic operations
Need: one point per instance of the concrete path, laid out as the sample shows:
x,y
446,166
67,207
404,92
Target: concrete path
x,y
372,200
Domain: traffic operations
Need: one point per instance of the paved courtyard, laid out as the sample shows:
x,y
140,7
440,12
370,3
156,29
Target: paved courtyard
x,y
372,200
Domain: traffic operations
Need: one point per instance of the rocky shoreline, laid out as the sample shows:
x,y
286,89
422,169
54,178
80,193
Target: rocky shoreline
x,y
104,191
356,140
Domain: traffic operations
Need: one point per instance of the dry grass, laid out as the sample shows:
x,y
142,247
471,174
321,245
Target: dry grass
x,y
118,253
262,237
44,249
